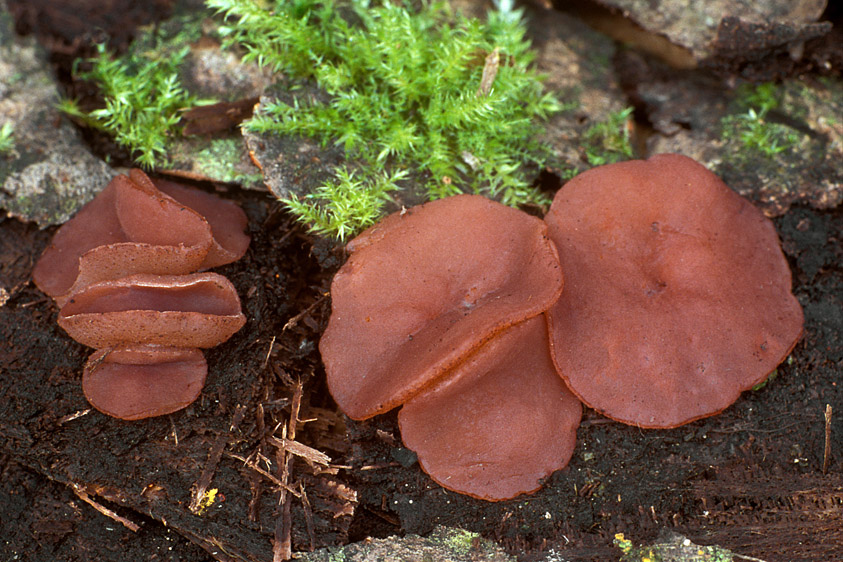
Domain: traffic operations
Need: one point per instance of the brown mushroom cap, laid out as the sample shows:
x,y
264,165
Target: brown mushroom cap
x,y
132,227
137,382
677,295
197,310
227,220
426,287
502,421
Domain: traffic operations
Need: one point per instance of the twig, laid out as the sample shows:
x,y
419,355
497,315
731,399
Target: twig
x,y
74,416
750,558
102,509
295,319
282,548
268,353
827,450
271,477
310,454
214,456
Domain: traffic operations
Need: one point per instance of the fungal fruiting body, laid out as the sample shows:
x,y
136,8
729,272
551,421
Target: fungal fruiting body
x,y
677,295
676,299
432,311
123,274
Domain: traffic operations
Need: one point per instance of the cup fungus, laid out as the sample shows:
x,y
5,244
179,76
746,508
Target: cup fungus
x,y
138,381
426,287
122,273
500,422
132,227
195,310
433,310
677,294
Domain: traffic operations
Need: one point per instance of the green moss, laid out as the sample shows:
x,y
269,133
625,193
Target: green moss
x,y
142,93
608,141
769,378
672,548
338,556
220,159
7,138
347,205
450,100
460,541
753,127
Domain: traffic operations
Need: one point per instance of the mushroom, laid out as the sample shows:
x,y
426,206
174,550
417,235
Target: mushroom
x,y
122,273
500,422
677,294
141,381
425,288
440,308
196,310
132,227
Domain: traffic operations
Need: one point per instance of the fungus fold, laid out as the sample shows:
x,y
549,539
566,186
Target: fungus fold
x,y
195,310
138,381
122,271
677,298
500,422
425,288
439,308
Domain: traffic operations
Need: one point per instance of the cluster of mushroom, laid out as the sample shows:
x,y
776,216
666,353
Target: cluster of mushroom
x,y
123,271
677,297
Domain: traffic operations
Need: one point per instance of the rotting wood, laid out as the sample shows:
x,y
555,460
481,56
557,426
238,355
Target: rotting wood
x,y
309,454
282,542
269,476
214,456
83,495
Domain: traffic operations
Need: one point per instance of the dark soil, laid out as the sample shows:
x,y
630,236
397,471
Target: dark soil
x,y
749,479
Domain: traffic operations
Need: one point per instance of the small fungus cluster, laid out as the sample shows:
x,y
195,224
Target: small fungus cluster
x,y
677,297
124,273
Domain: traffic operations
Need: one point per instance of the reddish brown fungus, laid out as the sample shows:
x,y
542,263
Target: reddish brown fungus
x,y
138,382
440,308
196,310
500,422
122,272
132,227
677,295
425,288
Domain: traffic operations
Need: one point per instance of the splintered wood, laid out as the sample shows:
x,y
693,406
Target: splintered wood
x,y
83,495
282,548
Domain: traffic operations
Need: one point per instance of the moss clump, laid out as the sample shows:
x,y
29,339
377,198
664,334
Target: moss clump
x,y
347,205
142,93
461,541
609,141
753,128
220,159
452,101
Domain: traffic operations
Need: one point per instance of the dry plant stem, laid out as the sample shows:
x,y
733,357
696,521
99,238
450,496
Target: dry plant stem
x,y
268,353
214,456
827,450
282,545
271,477
309,454
104,510
291,323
